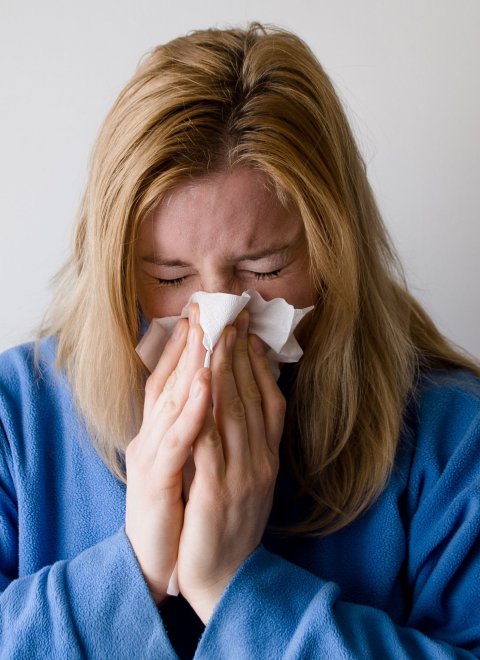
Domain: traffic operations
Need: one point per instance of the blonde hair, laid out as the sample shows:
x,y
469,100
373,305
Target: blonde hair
x,y
210,101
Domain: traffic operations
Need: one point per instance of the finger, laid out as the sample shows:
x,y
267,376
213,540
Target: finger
x,y
208,451
166,364
173,355
194,313
247,386
228,410
170,403
178,440
273,401
176,389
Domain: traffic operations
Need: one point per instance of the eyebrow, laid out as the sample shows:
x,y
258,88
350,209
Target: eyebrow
x,y
159,261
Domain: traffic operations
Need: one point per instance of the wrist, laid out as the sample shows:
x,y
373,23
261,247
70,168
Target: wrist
x,y
204,601
159,595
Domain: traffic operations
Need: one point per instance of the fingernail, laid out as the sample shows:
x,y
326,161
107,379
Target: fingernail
x,y
258,345
242,323
230,339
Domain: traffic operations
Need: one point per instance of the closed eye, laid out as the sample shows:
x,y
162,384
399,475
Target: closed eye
x,y
178,281
267,276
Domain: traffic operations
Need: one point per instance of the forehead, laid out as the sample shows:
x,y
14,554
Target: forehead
x,y
228,212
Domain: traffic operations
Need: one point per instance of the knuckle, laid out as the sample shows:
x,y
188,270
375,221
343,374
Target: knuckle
x,y
224,367
270,472
266,471
212,436
168,407
171,441
236,408
279,405
241,346
171,381
252,393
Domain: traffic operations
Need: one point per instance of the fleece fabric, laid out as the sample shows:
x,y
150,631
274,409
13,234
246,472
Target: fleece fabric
x,y
402,581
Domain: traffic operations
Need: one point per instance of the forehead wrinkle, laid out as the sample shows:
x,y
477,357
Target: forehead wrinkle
x,y
208,216
227,246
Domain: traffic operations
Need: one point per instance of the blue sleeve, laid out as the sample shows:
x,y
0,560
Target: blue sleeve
x,y
275,609
96,605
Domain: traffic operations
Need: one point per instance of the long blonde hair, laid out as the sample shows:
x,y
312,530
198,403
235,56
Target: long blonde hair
x,y
210,101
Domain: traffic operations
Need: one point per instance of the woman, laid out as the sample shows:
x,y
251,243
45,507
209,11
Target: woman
x,y
226,164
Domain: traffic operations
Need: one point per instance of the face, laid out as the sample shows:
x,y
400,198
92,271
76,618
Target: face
x,y
227,232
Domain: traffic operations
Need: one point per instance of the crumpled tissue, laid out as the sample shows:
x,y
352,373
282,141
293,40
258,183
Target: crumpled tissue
x,y
274,321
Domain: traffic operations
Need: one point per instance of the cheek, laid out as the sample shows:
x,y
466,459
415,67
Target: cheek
x,y
297,290
157,302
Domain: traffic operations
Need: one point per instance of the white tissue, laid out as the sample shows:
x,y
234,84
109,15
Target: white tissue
x,y
272,320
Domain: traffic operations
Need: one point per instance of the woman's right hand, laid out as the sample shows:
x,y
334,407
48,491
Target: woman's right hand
x,y
177,397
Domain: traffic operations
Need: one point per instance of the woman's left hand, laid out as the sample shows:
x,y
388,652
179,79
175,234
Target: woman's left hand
x,y
236,460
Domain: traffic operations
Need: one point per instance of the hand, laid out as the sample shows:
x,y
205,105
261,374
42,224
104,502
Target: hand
x,y
177,397
236,460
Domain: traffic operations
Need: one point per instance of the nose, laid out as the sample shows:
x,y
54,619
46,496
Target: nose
x,y
224,283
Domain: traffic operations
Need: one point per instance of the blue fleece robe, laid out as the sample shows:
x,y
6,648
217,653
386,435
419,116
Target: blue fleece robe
x,y
402,581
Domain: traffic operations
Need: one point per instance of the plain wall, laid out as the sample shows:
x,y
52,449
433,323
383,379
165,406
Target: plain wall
x,y
408,72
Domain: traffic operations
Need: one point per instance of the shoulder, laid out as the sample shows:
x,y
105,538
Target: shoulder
x,y
27,366
32,392
446,403
24,354
442,429
436,389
